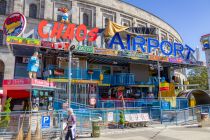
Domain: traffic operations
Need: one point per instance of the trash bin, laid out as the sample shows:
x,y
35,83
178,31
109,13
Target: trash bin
x,y
204,116
204,119
95,128
198,115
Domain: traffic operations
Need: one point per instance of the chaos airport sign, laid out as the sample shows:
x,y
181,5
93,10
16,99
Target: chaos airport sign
x,y
15,24
175,49
59,31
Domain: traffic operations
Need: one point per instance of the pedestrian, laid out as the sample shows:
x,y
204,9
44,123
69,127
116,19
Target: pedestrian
x,y
71,125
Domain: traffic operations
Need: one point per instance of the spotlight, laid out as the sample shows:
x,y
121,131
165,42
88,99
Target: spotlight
x,y
72,47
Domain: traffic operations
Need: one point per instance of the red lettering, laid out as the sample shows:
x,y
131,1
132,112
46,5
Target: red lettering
x,y
13,19
92,35
80,37
46,44
66,47
40,29
57,30
69,34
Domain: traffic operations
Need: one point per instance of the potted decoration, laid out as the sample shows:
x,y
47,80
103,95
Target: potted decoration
x,y
5,119
122,120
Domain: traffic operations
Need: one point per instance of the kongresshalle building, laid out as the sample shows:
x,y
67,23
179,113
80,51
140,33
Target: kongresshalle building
x,y
118,51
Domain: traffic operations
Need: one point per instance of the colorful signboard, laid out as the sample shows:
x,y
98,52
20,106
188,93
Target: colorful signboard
x,y
85,49
133,55
175,49
37,43
103,51
66,31
15,24
35,82
175,60
23,41
205,41
164,86
158,58
55,45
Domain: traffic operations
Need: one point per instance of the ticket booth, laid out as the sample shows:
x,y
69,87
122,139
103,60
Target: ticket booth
x,y
29,94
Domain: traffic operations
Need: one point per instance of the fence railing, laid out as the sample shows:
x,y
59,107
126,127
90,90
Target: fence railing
x,y
165,103
86,115
33,120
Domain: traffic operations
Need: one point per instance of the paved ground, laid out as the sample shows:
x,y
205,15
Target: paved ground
x,y
156,133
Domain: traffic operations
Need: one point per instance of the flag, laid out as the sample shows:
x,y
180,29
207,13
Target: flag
x,y
113,28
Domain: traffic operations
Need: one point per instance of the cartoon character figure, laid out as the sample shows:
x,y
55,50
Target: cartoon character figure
x,y
33,65
65,14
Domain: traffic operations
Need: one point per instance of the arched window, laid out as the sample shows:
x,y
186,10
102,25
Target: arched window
x,y
33,11
1,37
86,19
3,5
106,22
1,72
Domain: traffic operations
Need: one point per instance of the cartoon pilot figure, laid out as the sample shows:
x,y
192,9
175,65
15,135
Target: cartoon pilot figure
x,y
64,13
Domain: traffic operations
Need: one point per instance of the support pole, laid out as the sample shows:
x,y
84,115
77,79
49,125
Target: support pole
x,y
69,78
158,65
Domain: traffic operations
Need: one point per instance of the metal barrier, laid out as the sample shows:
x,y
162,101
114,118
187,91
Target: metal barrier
x,y
58,105
183,116
33,120
84,117
110,115
165,104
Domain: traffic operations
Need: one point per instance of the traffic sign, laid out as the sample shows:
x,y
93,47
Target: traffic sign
x,y
45,121
92,101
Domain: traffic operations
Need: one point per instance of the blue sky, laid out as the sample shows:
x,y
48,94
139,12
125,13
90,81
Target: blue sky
x,y
191,18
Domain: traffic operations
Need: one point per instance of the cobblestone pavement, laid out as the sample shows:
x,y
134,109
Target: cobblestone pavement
x,y
155,133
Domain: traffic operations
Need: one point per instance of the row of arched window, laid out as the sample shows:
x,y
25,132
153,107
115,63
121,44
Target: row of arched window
x,y
33,13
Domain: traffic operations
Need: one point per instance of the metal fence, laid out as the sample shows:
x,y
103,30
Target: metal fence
x,y
85,116
165,103
33,120
183,116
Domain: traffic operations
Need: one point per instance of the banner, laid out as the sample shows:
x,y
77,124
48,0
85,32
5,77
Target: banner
x,y
113,28
133,55
23,41
164,86
158,58
175,60
85,49
103,51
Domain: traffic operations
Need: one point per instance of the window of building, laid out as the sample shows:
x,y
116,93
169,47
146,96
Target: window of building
x,y
1,72
59,17
3,5
125,24
106,21
1,37
33,11
86,19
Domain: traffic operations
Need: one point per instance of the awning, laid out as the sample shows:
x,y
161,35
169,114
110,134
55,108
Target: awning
x,y
18,94
112,60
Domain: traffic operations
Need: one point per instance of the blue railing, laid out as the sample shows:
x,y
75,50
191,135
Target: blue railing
x,y
79,74
181,103
58,105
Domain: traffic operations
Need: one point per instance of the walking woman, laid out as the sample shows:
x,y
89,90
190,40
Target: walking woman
x,y
71,125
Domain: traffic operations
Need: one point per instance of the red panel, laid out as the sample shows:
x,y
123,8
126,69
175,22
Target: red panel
x,y
18,94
